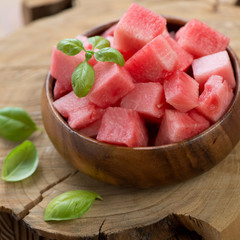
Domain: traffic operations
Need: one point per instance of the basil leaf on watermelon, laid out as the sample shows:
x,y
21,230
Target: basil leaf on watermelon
x,y
16,124
82,79
20,163
99,42
70,47
88,55
109,55
70,205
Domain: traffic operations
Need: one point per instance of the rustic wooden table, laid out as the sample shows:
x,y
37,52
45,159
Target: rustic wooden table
x,y
205,207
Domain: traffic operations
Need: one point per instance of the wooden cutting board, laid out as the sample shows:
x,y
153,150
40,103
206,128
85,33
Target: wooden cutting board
x,y
205,207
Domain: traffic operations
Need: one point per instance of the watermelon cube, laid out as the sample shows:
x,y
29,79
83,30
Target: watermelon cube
x,y
177,126
124,127
199,39
183,57
216,98
136,28
84,39
62,67
59,90
84,116
92,129
214,64
80,112
147,99
69,103
181,91
179,32
153,62
110,39
110,31
112,82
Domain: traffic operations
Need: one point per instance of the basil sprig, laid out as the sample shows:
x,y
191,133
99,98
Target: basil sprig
x,y
20,163
83,77
16,124
70,205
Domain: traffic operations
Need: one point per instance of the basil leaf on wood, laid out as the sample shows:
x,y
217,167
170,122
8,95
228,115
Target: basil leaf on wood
x,y
70,47
110,55
16,124
99,42
70,205
82,79
20,163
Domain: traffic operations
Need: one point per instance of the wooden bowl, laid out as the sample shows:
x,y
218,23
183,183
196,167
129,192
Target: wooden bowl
x,y
147,166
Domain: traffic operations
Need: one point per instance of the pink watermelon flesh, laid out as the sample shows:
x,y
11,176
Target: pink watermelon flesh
x,y
179,32
183,57
181,91
84,39
110,39
62,67
199,39
214,64
80,112
92,129
153,62
124,127
136,28
177,126
110,31
82,117
147,99
112,82
70,102
59,90
216,98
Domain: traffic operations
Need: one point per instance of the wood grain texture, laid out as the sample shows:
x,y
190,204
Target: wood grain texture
x,y
208,205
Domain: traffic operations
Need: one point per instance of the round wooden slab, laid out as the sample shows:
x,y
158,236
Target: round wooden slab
x,y
207,206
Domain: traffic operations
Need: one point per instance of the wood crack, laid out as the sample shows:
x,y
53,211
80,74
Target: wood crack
x,y
101,236
31,205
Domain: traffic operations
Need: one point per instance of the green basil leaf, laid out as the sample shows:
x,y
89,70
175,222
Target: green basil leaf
x,y
16,124
20,163
109,55
82,79
99,42
70,205
88,55
70,47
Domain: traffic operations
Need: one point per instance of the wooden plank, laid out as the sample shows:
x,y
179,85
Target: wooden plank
x,y
208,205
35,9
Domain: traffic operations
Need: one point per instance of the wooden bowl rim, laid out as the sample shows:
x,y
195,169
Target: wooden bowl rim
x,y
174,20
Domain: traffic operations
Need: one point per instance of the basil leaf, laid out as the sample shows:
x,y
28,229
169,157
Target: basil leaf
x,y
82,79
16,124
88,55
70,47
70,205
20,163
110,55
99,42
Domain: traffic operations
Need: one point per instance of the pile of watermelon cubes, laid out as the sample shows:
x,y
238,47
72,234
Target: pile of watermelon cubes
x,y
173,85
